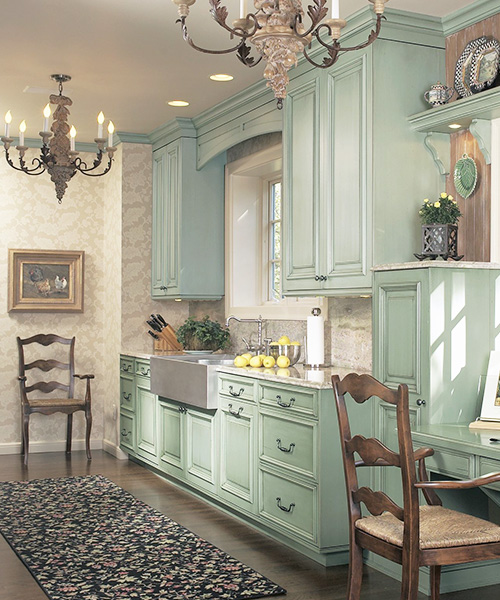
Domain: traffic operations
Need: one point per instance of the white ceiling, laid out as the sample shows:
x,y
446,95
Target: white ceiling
x,y
126,58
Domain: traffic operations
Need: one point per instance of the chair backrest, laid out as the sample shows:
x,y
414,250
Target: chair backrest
x,y
47,365
372,452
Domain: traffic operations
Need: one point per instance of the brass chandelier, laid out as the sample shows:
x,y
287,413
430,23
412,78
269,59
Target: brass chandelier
x,y
58,156
278,33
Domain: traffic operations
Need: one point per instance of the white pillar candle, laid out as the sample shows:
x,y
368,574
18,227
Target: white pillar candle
x,y
111,129
22,129
100,121
8,121
72,136
243,9
335,9
46,115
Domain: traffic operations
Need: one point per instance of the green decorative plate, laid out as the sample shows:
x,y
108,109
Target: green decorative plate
x,y
465,176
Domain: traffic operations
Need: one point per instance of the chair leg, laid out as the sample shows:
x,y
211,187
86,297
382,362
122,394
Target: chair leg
x,y
26,438
409,582
69,433
355,572
435,581
88,417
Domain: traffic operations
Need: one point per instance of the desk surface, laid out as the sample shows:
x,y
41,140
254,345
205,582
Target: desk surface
x,y
459,438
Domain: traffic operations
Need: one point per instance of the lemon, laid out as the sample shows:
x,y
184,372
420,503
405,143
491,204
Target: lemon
x,y
295,343
247,355
256,361
274,344
282,361
240,361
269,362
283,372
262,356
284,340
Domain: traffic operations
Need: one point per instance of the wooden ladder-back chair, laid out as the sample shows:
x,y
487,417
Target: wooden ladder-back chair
x,y
50,405
413,535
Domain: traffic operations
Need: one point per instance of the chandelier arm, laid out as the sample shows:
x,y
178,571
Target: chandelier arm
x,y
327,62
371,38
106,170
206,51
23,168
219,15
316,13
81,165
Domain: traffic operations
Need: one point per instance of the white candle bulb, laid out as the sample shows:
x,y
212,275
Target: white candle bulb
x,y
8,121
100,121
111,129
335,9
46,115
72,135
243,9
22,129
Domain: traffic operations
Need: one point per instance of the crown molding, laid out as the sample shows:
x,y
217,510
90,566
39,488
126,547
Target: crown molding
x,y
179,127
132,138
469,15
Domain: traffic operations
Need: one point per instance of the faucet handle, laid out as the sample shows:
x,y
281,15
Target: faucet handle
x,y
267,346
246,343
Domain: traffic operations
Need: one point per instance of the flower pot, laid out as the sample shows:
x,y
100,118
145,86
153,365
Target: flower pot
x,y
439,240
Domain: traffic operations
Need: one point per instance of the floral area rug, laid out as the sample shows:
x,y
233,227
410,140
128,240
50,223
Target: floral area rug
x,y
84,538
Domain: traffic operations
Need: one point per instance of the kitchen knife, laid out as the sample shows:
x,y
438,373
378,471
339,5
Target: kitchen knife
x,y
162,320
153,335
153,325
157,321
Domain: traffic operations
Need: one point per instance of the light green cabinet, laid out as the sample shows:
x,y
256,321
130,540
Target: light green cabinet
x,y
351,167
188,443
188,220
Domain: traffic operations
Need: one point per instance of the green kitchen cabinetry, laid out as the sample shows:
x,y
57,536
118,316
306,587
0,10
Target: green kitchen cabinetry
x,y
127,404
188,220
352,166
188,443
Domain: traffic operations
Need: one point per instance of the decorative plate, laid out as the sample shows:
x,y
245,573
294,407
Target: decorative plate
x,y
465,176
477,66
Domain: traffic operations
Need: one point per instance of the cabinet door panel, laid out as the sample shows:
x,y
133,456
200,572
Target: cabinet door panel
x,y
146,420
200,456
237,467
127,392
172,439
301,194
127,432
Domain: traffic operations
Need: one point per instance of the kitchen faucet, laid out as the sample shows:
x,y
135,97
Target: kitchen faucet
x,y
259,346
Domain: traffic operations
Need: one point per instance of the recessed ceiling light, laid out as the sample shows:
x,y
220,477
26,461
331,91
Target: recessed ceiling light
x,y
221,77
178,103
455,126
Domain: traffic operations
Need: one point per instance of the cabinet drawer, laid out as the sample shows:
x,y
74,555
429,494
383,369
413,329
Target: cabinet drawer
x,y
142,367
127,432
489,465
288,443
290,505
295,401
447,462
127,393
126,365
241,389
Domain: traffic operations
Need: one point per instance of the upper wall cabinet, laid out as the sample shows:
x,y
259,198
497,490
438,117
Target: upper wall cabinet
x,y
188,223
355,174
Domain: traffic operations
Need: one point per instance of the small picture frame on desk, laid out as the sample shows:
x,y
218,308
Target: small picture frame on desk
x,y
490,409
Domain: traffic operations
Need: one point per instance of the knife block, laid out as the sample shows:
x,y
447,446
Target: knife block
x,y
167,340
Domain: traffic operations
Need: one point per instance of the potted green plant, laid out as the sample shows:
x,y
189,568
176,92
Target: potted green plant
x,y
439,228
201,335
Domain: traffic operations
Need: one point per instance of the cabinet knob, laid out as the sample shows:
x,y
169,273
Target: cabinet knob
x,y
421,402
163,288
317,278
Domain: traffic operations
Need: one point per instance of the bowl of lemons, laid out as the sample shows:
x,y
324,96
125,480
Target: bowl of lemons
x,y
285,348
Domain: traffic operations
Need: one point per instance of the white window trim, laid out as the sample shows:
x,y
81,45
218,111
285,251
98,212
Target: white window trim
x,y
265,165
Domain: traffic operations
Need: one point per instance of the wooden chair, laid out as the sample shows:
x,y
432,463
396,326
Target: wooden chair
x,y
51,405
413,535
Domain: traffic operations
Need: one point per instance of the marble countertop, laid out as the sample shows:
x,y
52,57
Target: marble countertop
x,y
427,264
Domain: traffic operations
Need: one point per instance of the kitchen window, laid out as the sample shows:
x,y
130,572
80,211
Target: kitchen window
x,y
254,241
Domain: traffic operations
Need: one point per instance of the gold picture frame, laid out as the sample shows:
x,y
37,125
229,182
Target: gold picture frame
x,y
46,280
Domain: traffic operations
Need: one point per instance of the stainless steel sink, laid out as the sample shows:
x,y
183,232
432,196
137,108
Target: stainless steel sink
x,y
187,378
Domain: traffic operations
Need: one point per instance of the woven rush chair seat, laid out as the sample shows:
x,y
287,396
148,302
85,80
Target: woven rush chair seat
x,y
33,402
439,528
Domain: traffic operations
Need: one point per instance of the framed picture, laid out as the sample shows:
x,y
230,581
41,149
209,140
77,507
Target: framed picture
x,y
490,409
46,280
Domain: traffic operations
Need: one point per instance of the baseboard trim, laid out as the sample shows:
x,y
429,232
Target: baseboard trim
x,y
114,450
56,446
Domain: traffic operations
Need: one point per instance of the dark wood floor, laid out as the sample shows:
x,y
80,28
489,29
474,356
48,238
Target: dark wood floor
x,y
303,578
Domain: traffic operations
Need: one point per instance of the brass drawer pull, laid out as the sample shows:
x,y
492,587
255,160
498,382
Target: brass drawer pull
x,y
233,412
236,394
126,368
283,404
282,448
284,508
126,397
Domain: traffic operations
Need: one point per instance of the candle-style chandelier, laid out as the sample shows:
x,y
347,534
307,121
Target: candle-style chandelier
x,y
58,156
277,32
